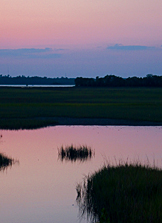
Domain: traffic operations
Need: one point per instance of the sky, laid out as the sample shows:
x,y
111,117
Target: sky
x,y
80,38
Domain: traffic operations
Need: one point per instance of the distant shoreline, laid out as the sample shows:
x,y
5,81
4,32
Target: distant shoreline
x,y
35,85
102,122
44,122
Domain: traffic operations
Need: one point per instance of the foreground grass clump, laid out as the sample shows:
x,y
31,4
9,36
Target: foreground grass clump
x,y
71,153
5,161
129,193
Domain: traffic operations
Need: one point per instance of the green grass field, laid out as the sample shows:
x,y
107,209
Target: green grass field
x,y
29,107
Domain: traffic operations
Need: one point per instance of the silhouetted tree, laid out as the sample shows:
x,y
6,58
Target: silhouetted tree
x,y
115,81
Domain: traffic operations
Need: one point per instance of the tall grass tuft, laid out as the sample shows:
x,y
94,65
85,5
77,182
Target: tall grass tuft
x,y
72,153
5,162
129,193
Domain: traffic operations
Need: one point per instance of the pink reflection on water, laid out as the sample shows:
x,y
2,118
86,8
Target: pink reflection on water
x,y
42,188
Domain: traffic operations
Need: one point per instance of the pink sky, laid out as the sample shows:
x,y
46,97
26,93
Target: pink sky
x,y
83,28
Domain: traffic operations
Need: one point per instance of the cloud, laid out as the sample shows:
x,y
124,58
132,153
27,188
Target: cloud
x,y
61,49
29,53
129,47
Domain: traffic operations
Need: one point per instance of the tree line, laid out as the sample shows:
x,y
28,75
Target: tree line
x,y
115,81
107,81
23,80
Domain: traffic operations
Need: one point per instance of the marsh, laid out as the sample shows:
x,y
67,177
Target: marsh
x,y
42,188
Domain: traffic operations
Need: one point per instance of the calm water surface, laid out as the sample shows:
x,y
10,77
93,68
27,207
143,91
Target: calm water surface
x,y
41,188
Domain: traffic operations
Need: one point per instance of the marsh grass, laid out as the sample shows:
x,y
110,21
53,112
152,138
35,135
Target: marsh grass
x,y
18,106
73,154
25,123
129,193
5,162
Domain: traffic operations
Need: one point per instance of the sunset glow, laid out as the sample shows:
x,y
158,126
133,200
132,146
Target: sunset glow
x,y
76,25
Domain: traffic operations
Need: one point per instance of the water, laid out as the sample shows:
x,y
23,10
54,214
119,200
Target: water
x,y
41,188
23,85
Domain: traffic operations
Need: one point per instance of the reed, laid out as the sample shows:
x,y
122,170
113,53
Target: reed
x,y
72,153
129,193
5,161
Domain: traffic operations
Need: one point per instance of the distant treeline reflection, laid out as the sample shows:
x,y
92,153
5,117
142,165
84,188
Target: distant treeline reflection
x,y
114,81
72,153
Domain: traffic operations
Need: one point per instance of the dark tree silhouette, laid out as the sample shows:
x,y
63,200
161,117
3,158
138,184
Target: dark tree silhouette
x,y
115,81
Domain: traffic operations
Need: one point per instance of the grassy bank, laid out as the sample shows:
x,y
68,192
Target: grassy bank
x,y
25,123
36,107
126,193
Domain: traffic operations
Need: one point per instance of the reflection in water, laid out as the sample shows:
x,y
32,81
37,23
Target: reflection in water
x,y
84,201
5,162
42,189
71,153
